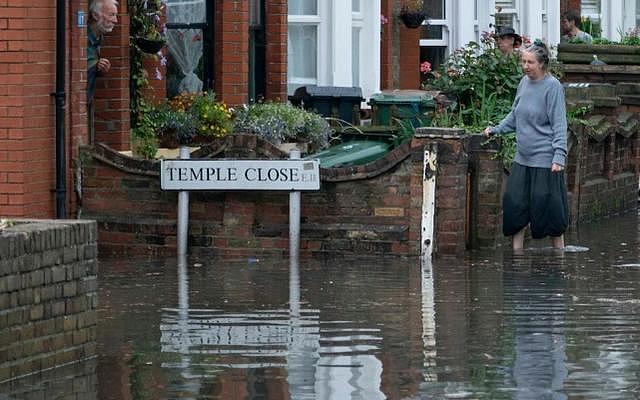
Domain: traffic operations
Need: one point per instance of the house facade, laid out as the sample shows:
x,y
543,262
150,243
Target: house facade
x,y
247,50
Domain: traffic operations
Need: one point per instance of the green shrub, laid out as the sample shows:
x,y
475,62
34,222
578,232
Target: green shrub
x,y
282,122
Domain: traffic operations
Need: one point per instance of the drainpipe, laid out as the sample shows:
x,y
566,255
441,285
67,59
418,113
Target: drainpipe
x,y
61,172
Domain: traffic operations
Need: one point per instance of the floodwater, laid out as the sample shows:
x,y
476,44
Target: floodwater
x,y
492,325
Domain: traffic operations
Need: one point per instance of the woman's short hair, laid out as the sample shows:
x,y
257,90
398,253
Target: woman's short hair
x,y
540,50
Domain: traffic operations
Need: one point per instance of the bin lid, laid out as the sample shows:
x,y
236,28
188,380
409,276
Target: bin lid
x,y
353,152
334,91
402,96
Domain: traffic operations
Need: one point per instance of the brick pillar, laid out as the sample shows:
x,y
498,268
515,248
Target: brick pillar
x,y
386,45
112,120
156,92
409,57
566,5
451,186
78,131
276,52
232,42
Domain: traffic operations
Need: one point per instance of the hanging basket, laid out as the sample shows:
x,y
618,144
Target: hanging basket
x,y
412,19
150,46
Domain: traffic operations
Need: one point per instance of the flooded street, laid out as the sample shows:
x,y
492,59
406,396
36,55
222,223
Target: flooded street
x,y
492,325
489,326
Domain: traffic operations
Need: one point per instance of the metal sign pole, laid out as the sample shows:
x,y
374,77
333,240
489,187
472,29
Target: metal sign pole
x,y
430,168
183,211
294,218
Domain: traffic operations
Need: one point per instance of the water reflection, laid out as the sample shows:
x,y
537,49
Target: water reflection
x,y
541,325
322,359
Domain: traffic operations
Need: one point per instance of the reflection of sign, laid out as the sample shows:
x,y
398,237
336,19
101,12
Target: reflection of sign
x,y
240,174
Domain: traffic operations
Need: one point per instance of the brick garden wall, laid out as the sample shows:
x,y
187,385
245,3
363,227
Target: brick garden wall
x,y
371,209
48,295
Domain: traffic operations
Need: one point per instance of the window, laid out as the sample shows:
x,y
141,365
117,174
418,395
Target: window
x,y
591,22
302,51
637,12
506,13
434,36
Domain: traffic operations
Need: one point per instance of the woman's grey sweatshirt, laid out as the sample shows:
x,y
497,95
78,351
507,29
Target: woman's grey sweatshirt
x,y
538,116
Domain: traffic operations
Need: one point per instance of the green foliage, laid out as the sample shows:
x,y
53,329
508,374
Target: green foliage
x,y
592,28
482,80
282,122
144,133
214,118
631,37
145,21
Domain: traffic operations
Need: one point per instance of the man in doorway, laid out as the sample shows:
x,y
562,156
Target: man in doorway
x,y
508,40
570,22
103,16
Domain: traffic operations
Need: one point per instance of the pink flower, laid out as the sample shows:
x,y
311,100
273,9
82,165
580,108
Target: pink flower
x,y
383,19
425,67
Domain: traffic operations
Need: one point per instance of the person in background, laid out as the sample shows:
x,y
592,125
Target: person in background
x,y
536,193
508,40
570,22
103,16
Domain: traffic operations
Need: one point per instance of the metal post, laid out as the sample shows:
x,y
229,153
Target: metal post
x,y
183,211
294,218
429,198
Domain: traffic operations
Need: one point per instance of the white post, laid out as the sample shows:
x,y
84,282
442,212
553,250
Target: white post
x,y
294,218
429,168
183,211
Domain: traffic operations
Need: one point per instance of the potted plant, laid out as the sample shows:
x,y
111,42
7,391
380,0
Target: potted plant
x,y
147,26
412,13
281,123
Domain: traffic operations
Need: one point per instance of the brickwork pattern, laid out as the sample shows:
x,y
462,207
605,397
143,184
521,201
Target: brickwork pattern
x,y
48,297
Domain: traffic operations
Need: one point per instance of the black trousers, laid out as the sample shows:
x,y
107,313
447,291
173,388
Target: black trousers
x,y
535,197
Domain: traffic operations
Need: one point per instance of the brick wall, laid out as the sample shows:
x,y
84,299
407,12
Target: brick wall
x,y
276,52
48,295
399,50
112,120
232,51
375,208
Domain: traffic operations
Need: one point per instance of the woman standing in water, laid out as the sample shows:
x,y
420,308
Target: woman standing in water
x,y
536,193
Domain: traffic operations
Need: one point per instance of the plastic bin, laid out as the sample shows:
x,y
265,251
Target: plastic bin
x,y
353,152
330,101
391,106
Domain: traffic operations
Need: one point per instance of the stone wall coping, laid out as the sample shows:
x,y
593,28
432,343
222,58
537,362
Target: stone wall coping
x,y
430,132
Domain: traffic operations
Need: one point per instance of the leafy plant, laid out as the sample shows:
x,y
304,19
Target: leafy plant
x,y
631,37
283,122
214,118
144,133
482,80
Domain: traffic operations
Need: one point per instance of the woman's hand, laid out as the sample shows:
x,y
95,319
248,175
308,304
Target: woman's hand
x,y
556,167
487,131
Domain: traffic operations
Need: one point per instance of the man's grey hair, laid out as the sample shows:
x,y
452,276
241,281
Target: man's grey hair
x,y
96,6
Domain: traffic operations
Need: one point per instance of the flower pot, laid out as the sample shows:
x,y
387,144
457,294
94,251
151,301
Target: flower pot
x,y
150,46
412,19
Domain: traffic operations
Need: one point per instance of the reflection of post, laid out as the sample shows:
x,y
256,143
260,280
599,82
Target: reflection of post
x,y
302,344
294,217
428,321
183,211
428,198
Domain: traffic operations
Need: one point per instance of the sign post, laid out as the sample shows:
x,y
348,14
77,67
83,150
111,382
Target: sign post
x,y
292,175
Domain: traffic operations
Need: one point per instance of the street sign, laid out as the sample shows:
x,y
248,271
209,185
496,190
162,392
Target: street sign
x,y
199,174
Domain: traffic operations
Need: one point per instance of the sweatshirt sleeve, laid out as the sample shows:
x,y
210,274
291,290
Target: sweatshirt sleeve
x,y
508,123
557,114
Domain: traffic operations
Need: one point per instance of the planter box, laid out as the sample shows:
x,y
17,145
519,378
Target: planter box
x,y
609,53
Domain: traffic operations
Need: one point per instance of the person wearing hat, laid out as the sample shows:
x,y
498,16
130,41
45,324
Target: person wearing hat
x,y
508,40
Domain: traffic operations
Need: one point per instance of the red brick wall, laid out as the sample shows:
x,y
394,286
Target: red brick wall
x,y
276,52
112,120
232,51
399,50
27,78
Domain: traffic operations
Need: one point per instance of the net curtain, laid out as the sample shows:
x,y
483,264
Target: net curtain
x,y
185,45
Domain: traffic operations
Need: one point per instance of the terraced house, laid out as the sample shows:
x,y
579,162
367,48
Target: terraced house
x,y
241,49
